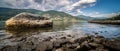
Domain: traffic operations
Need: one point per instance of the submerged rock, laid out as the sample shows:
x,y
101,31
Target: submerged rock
x,y
105,21
59,41
27,20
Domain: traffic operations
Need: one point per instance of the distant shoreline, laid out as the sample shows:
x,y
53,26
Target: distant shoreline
x,y
117,22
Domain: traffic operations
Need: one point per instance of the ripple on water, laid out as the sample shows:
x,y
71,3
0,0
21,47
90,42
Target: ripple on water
x,y
107,31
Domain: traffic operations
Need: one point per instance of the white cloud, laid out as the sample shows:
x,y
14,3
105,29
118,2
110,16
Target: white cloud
x,y
97,14
82,4
67,6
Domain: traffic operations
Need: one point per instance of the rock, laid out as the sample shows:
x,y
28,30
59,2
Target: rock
x,y
48,39
60,49
42,46
95,45
112,45
72,46
45,42
59,42
101,49
80,40
27,20
98,40
63,37
96,33
82,48
69,35
27,46
10,48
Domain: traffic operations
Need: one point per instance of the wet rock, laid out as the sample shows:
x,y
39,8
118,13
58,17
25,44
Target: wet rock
x,y
80,40
27,46
105,31
48,39
112,45
98,40
42,46
60,49
95,45
69,35
101,32
72,46
82,48
101,49
10,48
58,43
63,43
96,33
63,37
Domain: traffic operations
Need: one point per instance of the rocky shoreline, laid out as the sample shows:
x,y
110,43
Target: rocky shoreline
x,y
69,40
105,21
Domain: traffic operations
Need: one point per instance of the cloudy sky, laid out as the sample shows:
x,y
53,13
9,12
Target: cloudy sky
x,y
94,8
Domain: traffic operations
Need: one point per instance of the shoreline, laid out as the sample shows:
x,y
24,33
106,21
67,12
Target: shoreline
x,y
69,40
117,22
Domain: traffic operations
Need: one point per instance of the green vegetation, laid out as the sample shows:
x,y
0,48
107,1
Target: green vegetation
x,y
6,13
59,16
117,17
112,20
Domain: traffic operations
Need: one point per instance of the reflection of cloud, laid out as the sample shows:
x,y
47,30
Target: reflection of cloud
x,y
60,5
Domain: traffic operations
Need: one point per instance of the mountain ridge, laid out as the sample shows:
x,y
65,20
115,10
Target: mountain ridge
x,y
9,12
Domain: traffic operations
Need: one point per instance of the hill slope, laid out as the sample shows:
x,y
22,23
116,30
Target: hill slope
x,y
56,15
6,13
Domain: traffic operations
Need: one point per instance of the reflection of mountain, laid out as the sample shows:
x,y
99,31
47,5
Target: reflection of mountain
x,y
6,13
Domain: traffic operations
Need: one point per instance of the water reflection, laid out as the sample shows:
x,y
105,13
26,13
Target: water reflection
x,y
24,32
2,25
57,26
107,31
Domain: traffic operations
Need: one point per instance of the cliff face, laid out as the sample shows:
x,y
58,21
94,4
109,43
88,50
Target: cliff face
x,y
28,20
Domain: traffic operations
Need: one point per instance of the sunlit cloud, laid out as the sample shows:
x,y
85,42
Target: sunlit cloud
x,y
68,6
97,14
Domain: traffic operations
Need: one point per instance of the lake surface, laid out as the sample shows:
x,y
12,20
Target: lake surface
x,y
108,31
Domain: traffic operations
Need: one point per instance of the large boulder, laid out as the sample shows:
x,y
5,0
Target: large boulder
x,y
27,20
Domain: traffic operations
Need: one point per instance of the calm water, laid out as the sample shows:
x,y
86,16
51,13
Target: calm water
x,y
108,31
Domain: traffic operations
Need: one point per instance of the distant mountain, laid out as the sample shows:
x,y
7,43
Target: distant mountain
x,y
57,15
53,13
88,18
6,13
85,17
